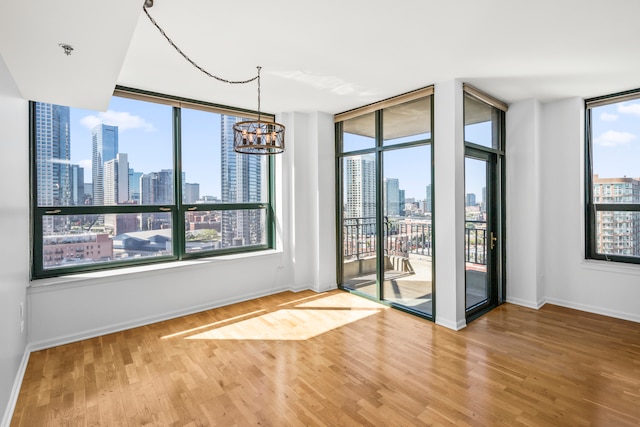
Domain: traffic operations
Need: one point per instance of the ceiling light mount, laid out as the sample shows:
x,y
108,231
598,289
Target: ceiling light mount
x,y
251,136
66,48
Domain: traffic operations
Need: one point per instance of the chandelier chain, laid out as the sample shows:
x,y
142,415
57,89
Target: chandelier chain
x,y
185,56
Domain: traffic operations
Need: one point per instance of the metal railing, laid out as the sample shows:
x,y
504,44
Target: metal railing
x,y
475,238
402,238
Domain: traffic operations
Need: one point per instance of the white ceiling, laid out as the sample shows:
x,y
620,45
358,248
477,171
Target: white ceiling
x,y
329,55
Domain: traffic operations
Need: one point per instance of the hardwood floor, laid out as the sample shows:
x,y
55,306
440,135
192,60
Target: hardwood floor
x,y
336,359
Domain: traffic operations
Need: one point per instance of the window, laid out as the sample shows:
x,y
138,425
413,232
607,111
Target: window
x,y
384,173
613,178
152,179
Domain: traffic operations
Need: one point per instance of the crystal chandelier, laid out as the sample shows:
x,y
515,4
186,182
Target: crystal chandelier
x,y
251,136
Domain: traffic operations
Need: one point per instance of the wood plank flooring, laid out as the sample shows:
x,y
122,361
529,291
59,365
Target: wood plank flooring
x,y
335,359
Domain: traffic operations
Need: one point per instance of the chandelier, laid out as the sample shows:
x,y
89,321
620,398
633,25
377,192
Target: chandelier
x,y
251,136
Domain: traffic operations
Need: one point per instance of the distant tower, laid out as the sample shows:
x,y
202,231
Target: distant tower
x,y
53,153
428,203
116,180
77,185
360,173
105,148
241,183
391,196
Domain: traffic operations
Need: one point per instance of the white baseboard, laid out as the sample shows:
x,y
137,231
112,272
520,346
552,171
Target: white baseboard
x,y
633,317
15,390
451,324
92,333
527,303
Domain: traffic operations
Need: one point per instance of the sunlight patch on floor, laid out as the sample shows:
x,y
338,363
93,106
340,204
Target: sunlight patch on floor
x,y
304,321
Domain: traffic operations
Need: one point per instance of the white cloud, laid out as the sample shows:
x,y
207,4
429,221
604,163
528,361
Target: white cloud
x,y
86,164
629,109
608,117
611,138
122,119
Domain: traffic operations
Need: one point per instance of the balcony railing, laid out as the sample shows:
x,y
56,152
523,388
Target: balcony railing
x,y
400,238
475,238
403,238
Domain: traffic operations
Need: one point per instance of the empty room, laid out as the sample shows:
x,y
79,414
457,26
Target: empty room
x,y
328,213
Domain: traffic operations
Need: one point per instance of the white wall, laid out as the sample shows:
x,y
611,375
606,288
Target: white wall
x,y
525,263
595,286
449,205
545,217
14,229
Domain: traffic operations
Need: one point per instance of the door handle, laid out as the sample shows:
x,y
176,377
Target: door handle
x,y
493,241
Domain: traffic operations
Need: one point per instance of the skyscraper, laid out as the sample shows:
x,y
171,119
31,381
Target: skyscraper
x,y
470,199
116,180
134,186
105,147
427,200
191,192
156,188
617,232
391,197
53,152
241,183
360,173
77,185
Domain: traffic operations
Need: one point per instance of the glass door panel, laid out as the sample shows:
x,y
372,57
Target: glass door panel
x,y
407,277
359,256
476,240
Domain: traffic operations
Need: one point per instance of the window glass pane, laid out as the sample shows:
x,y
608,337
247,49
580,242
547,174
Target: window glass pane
x,y
615,144
79,240
407,122
212,171
121,156
407,228
359,133
480,123
618,233
359,223
214,230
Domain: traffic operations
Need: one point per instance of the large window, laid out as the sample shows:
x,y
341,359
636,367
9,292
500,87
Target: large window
x,y
151,179
613,178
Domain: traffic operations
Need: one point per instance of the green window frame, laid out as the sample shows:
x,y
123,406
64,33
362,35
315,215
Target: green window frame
x,y
612,184
58,226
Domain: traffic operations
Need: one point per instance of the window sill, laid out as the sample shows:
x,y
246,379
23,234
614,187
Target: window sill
x,y
103,276
612,266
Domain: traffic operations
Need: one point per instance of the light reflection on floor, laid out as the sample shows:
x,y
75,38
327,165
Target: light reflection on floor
x,y
299,322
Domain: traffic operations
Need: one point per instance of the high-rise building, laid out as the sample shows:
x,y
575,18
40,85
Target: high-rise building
x,y
617,232
401,202
471,199
105,147
391,196
427,200
53,154
191,192
116,180
134,186
77,185
241,182
156,188
360,183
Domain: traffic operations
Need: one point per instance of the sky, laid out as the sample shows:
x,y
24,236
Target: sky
x,y
616,140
